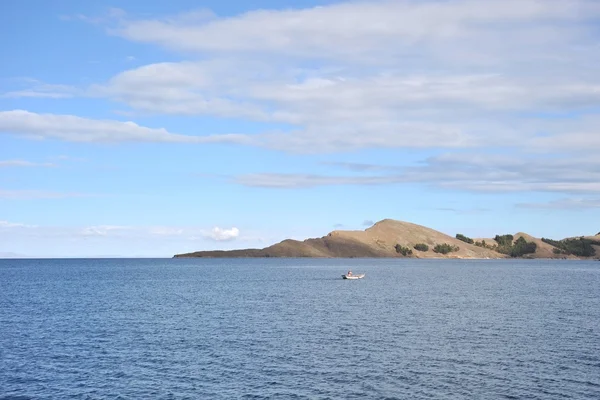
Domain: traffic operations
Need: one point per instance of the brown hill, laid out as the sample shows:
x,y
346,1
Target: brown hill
x,y
377,241
543,250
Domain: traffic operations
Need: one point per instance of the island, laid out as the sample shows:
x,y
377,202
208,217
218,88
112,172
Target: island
x,y
393,239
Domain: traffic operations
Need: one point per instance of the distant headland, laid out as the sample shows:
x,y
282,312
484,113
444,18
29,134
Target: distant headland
x,y
393,239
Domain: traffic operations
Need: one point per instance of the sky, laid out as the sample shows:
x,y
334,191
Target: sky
x,y
146,129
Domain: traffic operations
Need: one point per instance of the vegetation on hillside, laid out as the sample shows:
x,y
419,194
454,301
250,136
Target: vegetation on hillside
x,y
521,247
518,248
504,240
580,247
445,248
405,251
464,238
485,245
421,247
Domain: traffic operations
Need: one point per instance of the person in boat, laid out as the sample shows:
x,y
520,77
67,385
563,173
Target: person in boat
x,y
349,273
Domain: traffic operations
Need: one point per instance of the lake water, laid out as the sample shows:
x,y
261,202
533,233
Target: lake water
x,y
293,329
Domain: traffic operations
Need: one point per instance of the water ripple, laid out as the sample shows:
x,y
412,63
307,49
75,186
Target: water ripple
x,y
289,329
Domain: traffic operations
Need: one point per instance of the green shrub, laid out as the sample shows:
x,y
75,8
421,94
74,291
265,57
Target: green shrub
x,y
421,247
504,240
522,247
464,238
519,248
445,248
505,243
580,247
405,251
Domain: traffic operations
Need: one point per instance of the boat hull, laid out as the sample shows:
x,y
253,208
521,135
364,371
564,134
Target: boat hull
x,y
352,277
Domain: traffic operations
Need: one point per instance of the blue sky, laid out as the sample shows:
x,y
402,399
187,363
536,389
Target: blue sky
x,y
129,128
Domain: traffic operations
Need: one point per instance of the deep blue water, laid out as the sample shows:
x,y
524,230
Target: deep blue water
x,y
293,329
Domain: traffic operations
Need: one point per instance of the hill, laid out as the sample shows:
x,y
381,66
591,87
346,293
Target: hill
x,y
380,240
391,238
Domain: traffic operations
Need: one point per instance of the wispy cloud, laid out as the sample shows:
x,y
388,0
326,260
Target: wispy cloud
x,y
565,204
189,233
38,89
298,181
166,231
77,129
24,163
104,230
7,224
464,171
111,15
129,240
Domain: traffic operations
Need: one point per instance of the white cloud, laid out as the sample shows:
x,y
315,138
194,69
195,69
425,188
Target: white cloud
x,y
24,163
7,224
378,74
347,76
358,29
184,88
166,232
104,230
77,129
340,114
222,234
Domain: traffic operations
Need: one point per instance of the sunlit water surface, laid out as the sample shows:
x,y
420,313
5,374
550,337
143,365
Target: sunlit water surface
x,y
293,329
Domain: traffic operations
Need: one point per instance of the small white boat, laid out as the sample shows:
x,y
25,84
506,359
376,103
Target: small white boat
x,y
359,276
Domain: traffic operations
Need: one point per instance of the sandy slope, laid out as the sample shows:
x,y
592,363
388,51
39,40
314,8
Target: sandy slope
x,y
385,234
